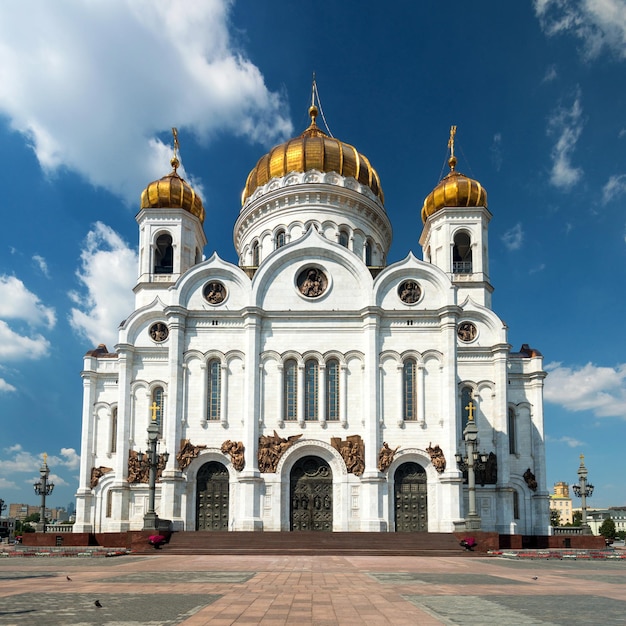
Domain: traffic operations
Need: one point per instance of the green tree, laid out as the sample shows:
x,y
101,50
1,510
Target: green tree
x,y
577,518
555,517
607,530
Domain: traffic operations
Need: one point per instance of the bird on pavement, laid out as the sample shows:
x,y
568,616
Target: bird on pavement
x,y
97,603
68,578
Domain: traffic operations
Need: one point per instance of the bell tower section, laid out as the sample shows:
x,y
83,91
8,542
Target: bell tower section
x,y
455,234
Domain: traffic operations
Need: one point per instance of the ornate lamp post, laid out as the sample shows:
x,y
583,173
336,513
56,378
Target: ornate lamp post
x,y
43,488
150,519
3,506
583,490
470,463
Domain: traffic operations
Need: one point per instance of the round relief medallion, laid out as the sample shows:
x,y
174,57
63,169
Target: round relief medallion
x,y
159,332
467,331
409,292
312,282
214,292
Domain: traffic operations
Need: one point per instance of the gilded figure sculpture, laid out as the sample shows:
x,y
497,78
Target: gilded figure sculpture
x,y
97,473
385,457
352,452
187,453
271,448
437,458
236,451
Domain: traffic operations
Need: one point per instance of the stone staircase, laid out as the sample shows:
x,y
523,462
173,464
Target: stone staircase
x,y
312,543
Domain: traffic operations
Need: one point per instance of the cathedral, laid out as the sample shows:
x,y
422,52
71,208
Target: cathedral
x,y
314,385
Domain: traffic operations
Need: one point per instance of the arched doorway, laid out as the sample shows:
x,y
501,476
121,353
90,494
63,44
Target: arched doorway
x,y
311,495
212,497
411,500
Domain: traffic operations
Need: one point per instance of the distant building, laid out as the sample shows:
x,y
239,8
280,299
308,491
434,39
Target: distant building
x,y
560,501
596,518
21,511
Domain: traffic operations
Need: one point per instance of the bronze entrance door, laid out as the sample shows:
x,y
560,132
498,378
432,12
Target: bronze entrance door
x,y
311,495
411,501
212,497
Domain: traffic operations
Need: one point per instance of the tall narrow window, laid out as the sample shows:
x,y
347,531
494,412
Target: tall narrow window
x,y
113,442
311,371
332,390
466,398
368,253
515,504
157,406
255,254
462,254
343,238
214,389
512,434
164,255
109,503
290,388
410,391
280,239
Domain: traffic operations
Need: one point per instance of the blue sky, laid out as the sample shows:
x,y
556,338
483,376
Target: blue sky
x,y
89,92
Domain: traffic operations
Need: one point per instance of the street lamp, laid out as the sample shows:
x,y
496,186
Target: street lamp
x,y
43,488
583,490
470,463
150,519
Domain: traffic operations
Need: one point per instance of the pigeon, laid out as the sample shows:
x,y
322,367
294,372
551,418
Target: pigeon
x,y
97,603
535,577
68,578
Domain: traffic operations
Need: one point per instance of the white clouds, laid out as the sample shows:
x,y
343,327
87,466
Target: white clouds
x,y
40,263
108,272
514,237
598,24
17,302
568,441
601,390
23,308
566,124
615,186
6,387
95,104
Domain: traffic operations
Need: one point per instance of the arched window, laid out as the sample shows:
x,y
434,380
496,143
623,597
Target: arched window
x,y
311,376
255,254
410,390
512,434
332,390
466,398
462,254
214,390
280,239
290,390
368,253
343,238
164,255
157,407
113,441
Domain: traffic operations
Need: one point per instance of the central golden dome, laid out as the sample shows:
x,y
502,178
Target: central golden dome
x,y
313,150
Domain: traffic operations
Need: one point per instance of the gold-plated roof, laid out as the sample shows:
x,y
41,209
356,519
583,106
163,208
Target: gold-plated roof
x,y
313,150
172,191
455,189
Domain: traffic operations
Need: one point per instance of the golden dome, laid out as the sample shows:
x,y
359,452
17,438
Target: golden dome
x,y
455,189
313,150
172,192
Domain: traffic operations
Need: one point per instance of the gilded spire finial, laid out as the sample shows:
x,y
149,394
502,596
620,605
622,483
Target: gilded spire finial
x,y
174,161
45,458
452,159
313,108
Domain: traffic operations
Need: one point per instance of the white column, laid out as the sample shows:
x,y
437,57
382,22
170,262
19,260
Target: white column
x,y
343,395
421,394
224,394
400,386
281,395
321,391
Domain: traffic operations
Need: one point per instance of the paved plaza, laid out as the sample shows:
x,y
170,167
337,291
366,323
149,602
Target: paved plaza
x,y
160,590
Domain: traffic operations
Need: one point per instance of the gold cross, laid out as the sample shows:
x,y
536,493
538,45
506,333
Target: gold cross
x,y
176,144
154,408
45,458
451,140
470,407
582,458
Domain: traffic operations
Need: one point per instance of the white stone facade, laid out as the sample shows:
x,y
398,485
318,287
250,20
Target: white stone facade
x,y
358,331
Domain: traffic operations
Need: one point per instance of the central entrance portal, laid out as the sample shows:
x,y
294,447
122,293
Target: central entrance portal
x,y
212,497
311,499
411,500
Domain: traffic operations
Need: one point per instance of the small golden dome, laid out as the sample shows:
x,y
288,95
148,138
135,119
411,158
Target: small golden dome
x,y
313,150
172,191
454,190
